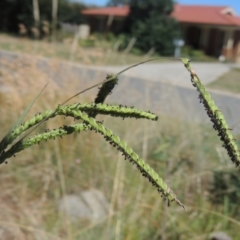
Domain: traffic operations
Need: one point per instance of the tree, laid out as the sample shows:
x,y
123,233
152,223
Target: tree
x,y
70,12
36,13
117,2
150,22
36,16
15,12
54,18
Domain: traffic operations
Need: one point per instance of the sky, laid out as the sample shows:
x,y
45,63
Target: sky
x,y
235,4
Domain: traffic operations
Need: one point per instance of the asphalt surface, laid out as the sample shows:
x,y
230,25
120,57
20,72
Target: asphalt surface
x,y
172,72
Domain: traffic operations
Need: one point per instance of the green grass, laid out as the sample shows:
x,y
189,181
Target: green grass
x,y
229,81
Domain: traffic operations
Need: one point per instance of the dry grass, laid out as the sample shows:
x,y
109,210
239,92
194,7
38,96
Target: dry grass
x,y
33,182
102,54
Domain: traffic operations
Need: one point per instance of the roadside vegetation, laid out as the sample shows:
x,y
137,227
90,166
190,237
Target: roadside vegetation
x,y
97,50
229,81
35,28
89,52
188,156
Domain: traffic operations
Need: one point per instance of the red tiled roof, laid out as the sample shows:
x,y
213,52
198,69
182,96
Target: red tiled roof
x,y
116,11
183,13
204,15
234,19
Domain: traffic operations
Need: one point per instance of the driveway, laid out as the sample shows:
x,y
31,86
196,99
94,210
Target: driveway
x,y
173,72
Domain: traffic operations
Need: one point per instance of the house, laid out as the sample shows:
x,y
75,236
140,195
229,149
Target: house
x,y
108,18
213,29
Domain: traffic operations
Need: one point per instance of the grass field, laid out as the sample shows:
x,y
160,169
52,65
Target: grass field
x,y
185,155
101,54
229,81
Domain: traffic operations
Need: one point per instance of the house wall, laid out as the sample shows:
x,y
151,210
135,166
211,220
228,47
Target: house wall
x,y
99,24
213,40
204,37
201,41
227,49
236,46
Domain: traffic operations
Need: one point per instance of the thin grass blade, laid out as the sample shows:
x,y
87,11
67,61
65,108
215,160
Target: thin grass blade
x,y
4,142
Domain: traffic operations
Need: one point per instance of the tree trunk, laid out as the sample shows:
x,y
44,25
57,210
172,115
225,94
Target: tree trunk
x,y
36,15
54,18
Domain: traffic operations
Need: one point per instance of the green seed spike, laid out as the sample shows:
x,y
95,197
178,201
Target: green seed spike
x,y
7,139
86,89
113,110
104,91
129,154
216,116
106,88
30,123
115,76
91,124
21,145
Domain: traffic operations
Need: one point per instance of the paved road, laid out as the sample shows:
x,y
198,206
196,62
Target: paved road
x,y
173,72
161,97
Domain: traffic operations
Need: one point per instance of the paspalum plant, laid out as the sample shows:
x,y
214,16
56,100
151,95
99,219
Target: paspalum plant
x,y
16,141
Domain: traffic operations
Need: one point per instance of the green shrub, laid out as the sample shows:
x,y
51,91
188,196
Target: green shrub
x,y
150,23
195,54
87,42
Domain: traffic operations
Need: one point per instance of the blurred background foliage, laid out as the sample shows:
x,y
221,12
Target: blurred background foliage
x,y
14,12
148,21
189,156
